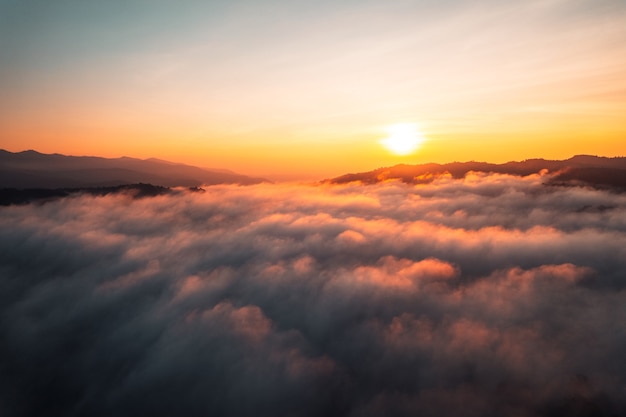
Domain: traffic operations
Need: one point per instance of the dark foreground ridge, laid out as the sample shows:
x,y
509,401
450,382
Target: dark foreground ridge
x,y
31,169
599,172
13,196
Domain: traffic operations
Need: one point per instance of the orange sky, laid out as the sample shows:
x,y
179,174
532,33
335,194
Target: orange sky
x,y
307,91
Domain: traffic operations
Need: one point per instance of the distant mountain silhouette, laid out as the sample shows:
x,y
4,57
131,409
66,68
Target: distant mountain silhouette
x,y
578,170
31,169
13,196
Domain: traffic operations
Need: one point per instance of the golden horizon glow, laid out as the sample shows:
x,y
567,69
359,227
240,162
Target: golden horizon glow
x,y
301,93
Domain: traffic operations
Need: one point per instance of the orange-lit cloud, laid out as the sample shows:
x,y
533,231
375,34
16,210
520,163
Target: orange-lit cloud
x,y
488,294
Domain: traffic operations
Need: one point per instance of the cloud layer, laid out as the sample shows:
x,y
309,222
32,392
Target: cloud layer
x,y
486,296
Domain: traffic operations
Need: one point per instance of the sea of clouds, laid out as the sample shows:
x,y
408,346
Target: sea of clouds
x,y
491,295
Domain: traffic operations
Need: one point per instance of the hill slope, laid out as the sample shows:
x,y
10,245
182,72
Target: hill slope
x,y
31,169
580,169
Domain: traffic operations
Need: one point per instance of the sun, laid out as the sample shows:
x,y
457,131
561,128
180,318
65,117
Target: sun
x,y
403,139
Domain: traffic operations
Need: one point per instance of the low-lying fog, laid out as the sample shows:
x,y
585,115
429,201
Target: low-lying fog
x,y
489,296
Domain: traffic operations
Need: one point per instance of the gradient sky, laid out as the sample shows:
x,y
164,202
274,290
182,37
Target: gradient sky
x,y
306,89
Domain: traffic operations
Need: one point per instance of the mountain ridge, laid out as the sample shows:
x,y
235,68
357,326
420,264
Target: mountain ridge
x,y
578,170
33,169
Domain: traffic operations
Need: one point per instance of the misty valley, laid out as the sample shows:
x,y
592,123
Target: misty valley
x,y
488,294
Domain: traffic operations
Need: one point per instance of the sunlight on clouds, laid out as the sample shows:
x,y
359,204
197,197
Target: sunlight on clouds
x,y
461,297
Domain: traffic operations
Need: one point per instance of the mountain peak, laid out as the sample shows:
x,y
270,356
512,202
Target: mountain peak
x,y
32,169
580,169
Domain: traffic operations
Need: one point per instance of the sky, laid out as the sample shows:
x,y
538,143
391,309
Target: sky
x,y
309,90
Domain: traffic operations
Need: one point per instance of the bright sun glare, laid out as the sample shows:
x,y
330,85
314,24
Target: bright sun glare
x,y
403,139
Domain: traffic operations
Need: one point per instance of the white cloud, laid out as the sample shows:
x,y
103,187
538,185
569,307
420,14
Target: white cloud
x,y
492,295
